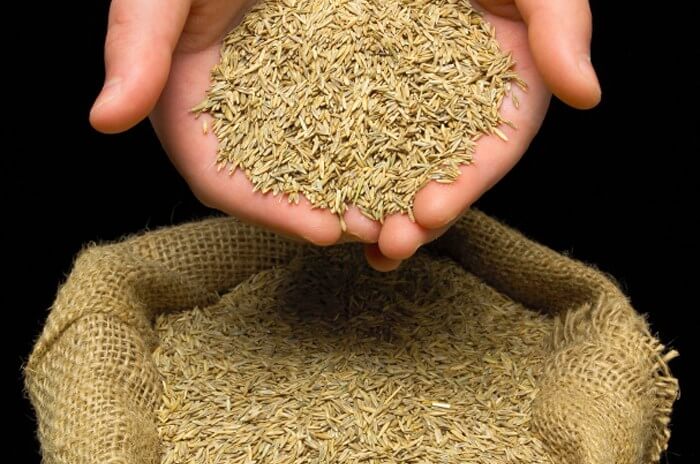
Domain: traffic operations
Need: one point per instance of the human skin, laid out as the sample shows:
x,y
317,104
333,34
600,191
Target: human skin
x,y
158,55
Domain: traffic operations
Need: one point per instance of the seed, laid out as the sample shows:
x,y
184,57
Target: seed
x,y
324,360
367,100
441,405
500,134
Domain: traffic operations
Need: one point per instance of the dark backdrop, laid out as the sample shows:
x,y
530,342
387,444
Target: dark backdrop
x,y
613,186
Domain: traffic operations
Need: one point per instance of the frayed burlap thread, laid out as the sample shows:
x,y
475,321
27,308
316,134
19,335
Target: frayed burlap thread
x,y
604,388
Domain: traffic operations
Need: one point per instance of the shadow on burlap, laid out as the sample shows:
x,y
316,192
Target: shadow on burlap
x,y
605,391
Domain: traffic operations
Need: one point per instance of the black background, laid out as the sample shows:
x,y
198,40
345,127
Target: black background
x,y
613,186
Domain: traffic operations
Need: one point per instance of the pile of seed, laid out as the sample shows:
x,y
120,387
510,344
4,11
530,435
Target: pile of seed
x,y
356,101
328,361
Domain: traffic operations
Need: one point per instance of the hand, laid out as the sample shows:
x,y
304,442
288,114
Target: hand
x,y
158,55
550,41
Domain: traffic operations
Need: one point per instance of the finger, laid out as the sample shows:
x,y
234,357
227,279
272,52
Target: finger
x,y
360,228
234,195
560,35
141,37
378,261
400,238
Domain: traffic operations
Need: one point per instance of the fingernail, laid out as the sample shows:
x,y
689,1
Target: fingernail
x,y
110,91
587,71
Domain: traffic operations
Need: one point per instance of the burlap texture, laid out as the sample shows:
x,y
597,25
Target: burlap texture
x,y
605,391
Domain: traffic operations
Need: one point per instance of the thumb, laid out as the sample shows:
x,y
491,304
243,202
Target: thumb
x,y
560,34
141,37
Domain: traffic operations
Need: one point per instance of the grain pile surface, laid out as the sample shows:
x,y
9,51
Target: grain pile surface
x,y
356,101
327,361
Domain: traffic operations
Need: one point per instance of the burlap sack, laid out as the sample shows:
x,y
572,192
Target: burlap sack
x,y
605,392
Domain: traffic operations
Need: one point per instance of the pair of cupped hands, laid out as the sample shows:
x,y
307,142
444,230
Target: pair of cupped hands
x,y
158,55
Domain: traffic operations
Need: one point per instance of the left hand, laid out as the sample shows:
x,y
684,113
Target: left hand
x,y
550,42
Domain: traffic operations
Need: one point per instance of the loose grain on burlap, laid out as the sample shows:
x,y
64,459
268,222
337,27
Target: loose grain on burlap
x,y
604,389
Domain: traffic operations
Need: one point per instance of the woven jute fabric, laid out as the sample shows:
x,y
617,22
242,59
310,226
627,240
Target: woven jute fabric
x,y
604,390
